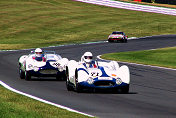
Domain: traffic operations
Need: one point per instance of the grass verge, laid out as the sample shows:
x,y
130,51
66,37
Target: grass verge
x,y
13,105
41,23
164,57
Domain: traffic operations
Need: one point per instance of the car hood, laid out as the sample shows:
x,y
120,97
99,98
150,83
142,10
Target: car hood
x,y
115,36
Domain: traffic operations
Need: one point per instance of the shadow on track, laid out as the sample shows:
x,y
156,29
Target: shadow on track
x,y
104,92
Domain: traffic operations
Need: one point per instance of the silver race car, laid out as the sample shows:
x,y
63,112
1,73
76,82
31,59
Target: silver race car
x,y
42,64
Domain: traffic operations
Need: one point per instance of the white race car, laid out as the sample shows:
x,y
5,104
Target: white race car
x,y
103,75
51,65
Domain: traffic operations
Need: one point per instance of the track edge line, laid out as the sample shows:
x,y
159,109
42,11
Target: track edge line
x,y
42,100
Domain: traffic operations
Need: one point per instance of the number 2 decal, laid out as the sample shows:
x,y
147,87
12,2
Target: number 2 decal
x,y
94,74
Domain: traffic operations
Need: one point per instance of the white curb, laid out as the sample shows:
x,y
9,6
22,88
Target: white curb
x,y
42,100
132,6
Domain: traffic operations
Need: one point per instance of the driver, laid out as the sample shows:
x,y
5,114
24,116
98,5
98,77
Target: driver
x,y
87,60
39,55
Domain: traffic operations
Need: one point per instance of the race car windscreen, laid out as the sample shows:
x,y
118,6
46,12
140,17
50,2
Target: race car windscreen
x,y
53,57
117,33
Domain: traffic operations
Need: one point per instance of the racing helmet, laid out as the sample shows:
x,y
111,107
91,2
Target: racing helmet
x,y
38,52
87,57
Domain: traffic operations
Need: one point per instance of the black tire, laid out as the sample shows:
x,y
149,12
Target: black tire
x,y
69,88
61,76
58,77
21,73
27,75
64,76
123,40
110,41
125,89
77,86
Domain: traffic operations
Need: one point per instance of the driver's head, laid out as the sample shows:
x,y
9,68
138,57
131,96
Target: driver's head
x,y
38,52
87,57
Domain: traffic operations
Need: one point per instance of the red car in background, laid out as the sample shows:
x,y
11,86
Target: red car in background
x,y
117,36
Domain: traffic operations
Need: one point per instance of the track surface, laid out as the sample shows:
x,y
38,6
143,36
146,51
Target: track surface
x,y
152,90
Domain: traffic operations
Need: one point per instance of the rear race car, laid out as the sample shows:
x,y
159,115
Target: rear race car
x,y
50,65
117,36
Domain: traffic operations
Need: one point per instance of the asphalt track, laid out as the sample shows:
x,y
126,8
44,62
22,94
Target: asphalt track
x,y
152,90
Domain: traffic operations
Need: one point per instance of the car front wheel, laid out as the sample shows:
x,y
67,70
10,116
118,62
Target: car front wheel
x,y
69,87
27,75
77,87
21,73
125,89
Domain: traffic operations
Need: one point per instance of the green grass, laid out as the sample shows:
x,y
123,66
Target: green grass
x,y
164,57
40,23
13,105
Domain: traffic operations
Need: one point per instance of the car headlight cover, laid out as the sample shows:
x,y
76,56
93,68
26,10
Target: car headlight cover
x,y
36,68
60,68
90,80
30,66
118,81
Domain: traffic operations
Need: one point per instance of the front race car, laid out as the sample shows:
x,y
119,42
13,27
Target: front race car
x,y
99,79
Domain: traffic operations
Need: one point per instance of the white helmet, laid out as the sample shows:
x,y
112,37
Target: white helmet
x,y
87,57
38,52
